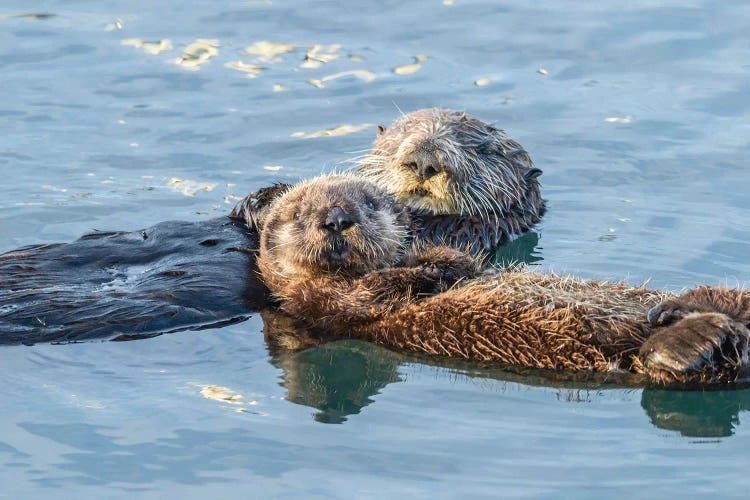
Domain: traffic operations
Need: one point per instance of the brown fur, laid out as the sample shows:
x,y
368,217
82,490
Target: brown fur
x,y
517,317
484,192
297,244
482,181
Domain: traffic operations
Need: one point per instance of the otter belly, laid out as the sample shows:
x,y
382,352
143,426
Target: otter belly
x,y
172,276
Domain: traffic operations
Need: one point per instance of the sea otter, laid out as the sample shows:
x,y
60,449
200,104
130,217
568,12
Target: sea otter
x,y
333,252
187,275
466,183
172,276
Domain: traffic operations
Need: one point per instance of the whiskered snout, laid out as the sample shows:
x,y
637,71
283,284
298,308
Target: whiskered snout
x,y
424,163
337,220
338,248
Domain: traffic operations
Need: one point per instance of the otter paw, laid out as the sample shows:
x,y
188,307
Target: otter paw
x,y
450,264
701,347
665,313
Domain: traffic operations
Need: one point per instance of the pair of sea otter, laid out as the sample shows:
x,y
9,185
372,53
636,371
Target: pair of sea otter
x,y
346,257
465,182
336,252
472,186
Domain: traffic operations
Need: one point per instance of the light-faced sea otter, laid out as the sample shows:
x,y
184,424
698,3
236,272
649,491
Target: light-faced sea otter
x,y
466,183
333,252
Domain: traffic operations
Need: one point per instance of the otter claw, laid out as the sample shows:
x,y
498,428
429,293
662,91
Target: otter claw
x,y
663,314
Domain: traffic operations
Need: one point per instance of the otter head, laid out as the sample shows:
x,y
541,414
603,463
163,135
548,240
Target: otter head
x,y
437,161
336,224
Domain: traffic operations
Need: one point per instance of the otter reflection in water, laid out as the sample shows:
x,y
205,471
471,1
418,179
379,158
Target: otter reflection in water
x,y
340,379
189,275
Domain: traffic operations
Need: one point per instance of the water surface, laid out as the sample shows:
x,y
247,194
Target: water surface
x,y
118,116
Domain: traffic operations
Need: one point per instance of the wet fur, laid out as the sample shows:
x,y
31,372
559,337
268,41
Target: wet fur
x,y
436,303
169,277
297,245
486,194
486,190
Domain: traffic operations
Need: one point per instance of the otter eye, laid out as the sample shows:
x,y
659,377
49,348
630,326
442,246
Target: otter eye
x,y
370,205
297,216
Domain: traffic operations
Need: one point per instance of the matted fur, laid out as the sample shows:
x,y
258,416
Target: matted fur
x,y
436,302
485,181
486,192
295,243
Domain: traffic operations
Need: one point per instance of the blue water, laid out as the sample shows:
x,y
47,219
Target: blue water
x,y
638,114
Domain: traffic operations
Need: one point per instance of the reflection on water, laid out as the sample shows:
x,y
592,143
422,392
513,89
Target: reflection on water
x,y
198,53
522,250
696,413
411,68
338,378
636,112
342,377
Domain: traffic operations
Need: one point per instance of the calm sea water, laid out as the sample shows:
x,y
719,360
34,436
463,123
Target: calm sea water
x,y
117,115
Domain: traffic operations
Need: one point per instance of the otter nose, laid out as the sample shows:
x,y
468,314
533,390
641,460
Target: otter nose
x,y
424,164
337,220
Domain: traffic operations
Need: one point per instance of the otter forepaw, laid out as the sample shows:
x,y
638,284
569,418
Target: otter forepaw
x,y
453,264
665,313
701,347
673,310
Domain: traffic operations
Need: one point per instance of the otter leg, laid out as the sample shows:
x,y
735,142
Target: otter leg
x,y
701,347
252,208
445,264
426,273
732,302
366,299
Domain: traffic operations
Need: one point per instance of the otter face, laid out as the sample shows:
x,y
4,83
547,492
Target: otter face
x,y
444,162
337,224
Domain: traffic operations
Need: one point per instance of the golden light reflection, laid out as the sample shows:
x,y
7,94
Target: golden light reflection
x,y
331,132
251,70
197,53
117,25
410,69
269,51
188,187
318,55
280,87
619,119
219,393
150,47
362,74
482,82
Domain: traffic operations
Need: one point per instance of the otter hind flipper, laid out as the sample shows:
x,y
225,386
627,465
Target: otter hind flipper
x,y
700,347
253,207
732,302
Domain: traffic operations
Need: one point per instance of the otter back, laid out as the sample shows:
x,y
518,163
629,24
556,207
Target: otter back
x,y
172,276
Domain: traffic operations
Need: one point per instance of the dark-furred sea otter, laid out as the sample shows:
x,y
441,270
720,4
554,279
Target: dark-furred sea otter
x,y
332,252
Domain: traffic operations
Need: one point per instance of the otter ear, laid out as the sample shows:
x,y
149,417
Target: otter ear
x,y
532,174
381,129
